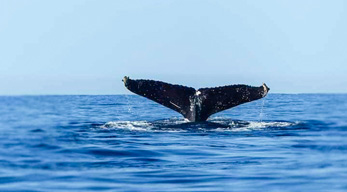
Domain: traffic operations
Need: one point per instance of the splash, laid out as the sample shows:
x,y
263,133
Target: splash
x,y
262,114
129,125
182,125
257,125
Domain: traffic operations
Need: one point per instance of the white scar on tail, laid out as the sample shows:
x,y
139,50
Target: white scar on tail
x,y
175,105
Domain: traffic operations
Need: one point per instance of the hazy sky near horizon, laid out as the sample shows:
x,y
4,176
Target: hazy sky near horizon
x,y
86,47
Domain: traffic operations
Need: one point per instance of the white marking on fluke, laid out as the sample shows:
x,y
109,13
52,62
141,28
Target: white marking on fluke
x,y
197,93
266,90
175,105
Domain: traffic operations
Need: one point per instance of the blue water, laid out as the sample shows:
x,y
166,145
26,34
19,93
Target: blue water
x,y
127,143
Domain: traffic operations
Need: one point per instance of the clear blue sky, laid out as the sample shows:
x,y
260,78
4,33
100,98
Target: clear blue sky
x,y
86,47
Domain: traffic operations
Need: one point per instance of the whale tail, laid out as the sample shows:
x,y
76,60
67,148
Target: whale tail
x,y
195,105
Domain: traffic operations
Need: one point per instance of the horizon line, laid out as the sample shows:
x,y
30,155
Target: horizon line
x,y
117,94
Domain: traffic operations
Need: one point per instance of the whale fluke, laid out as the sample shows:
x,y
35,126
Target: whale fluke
x,y
195,105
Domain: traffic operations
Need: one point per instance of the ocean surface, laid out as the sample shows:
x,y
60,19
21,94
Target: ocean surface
x,y
284,142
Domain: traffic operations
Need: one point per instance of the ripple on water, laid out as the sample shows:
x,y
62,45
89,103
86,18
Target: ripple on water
x,y
87,143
